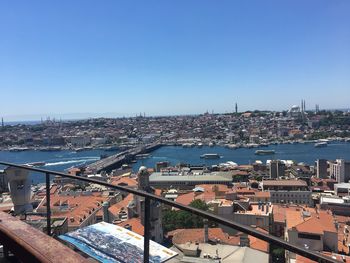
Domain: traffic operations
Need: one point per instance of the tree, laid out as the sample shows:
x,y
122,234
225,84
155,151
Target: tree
x,y
182,219
277,254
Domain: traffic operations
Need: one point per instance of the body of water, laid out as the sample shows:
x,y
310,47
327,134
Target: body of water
x,y
62,160
54,160
306,153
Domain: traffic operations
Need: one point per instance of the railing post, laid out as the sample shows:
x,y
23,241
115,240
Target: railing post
x,y
147,228
48,205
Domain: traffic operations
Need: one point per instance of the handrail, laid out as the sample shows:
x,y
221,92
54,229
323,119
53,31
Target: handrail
x,y
313,255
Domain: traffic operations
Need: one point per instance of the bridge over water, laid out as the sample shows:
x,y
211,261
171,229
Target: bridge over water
x,y
117,160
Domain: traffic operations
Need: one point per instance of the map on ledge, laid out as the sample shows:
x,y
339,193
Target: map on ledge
x,y
110,243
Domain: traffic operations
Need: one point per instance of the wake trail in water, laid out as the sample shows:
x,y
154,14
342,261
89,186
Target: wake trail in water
x,y
81,160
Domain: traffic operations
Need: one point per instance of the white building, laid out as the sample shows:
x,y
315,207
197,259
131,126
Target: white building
x,y
342,189
340,170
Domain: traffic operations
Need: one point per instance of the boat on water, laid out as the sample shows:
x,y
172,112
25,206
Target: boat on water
x,y
264,152
210,156
18,149
187,145
142,156
36,164
232,146
321,144
79,149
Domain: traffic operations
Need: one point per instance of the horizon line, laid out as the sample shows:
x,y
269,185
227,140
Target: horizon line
x,y
60,117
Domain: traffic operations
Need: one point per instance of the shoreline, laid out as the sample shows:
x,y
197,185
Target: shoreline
x,y
186,143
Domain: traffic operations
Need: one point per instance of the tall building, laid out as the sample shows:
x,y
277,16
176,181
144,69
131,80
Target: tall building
x,y
321,167
277,169
340,170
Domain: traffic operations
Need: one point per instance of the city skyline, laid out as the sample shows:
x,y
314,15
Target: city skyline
x,y
171,59
36,118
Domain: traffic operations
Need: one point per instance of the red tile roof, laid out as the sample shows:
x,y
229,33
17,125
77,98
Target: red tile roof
x,y
122,205
182,236
123,181
318,224
75,208
135,224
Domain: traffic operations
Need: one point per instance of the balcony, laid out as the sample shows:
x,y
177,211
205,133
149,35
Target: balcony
x,y
30,245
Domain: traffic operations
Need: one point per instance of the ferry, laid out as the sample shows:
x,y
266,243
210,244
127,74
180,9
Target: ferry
x,y
264,152
320,144
210,156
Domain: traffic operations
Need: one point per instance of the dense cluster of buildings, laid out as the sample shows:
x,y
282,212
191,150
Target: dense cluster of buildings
x,y
306,205
233,130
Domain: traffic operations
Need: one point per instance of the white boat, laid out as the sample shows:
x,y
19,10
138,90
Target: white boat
x,y
264,152
142,156
232,146
18,149
320,144
210,156
36,164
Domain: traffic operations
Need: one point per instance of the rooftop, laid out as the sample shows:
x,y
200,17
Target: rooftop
x,y
284,183
215,176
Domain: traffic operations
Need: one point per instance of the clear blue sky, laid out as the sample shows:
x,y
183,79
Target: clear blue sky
x,y
171,57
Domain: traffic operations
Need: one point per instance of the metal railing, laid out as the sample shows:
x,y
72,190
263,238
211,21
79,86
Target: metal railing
x,y
313,255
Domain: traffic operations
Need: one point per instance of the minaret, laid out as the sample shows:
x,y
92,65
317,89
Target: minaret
x,y
236,108
302,106
2,122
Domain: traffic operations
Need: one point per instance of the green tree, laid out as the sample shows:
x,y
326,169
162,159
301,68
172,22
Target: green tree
x,y
182,219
